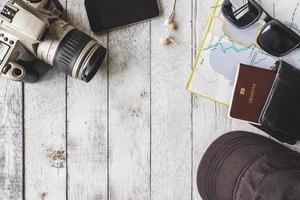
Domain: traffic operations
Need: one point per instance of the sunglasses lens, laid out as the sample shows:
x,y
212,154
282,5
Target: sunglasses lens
x,y
240,14
277,40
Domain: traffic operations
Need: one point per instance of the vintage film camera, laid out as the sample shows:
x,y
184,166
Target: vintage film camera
x,y
33,35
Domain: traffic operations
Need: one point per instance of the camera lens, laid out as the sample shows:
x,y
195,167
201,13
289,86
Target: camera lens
x,y
71,51
79,55
95,59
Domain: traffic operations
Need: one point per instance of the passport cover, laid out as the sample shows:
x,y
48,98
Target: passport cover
x,y
281,113
252,88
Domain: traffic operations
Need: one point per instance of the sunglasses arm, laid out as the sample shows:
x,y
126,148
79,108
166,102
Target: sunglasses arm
x,y
266,17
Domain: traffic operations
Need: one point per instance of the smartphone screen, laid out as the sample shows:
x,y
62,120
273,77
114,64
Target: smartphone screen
x,y
109,14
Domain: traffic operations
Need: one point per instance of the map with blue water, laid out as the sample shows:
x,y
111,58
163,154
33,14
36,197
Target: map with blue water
x,y
226,47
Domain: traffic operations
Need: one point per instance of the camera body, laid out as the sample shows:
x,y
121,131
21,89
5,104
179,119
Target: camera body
x,y
34,35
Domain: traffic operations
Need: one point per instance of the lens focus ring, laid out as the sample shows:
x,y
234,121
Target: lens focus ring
x,y
69,50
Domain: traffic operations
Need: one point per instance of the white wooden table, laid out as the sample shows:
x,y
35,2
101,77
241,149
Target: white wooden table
x,y
133,133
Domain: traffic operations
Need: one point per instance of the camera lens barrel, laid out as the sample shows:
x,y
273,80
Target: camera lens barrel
x,y
79,55
72,51
95,58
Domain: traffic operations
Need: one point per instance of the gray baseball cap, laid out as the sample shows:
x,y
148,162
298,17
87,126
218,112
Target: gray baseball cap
x,y
246,166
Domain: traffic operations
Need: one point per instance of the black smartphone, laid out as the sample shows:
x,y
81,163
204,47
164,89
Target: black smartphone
x,y
105,15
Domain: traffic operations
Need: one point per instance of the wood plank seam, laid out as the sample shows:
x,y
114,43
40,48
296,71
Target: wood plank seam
x,y
107,115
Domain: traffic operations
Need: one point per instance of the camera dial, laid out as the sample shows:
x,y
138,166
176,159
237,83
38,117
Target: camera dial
x,y
14,71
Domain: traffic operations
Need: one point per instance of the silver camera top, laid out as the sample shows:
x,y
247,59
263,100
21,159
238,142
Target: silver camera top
x,y
19,17
20,25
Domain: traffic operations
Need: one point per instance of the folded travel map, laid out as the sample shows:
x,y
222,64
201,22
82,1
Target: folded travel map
x,y
224,47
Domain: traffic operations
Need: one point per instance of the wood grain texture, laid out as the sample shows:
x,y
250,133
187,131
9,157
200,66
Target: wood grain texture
x,y
45,170
129,113
132,133
87,125
11,135
45,137
171,106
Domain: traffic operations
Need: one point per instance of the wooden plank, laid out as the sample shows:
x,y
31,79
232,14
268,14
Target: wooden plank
x,y
11,134
11,138
171,106
45,171
45,137
87,125
129,113
209,118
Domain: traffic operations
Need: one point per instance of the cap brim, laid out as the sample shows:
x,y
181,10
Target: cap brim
x,y
225,160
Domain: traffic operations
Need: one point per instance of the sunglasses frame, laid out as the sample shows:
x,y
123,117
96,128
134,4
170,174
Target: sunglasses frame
x,y
277,22
262,14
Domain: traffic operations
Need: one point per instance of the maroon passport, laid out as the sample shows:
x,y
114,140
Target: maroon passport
x,y
251,91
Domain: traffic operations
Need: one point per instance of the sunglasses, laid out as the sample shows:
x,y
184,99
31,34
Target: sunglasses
x,y
275,38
